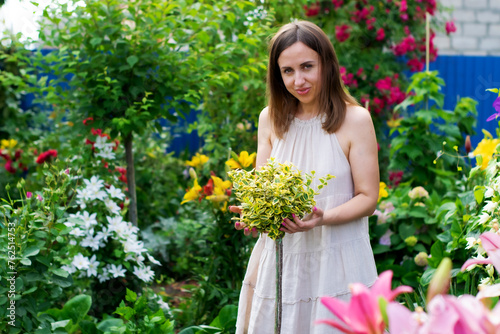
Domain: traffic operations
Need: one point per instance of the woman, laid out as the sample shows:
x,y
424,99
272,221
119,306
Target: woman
x,y
314,123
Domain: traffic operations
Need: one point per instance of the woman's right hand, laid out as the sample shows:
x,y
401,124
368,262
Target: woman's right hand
x,y
240,225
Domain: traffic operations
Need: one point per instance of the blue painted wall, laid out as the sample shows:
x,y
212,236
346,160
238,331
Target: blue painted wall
x,y
470,76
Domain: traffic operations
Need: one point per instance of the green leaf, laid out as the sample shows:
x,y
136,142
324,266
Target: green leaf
x,y
77,308
96,40
131,296
60,324
31,251
132,60
427,276
107,324
60,272
479,194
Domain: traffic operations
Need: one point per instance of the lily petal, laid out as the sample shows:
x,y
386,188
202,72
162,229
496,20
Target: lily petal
x,y
470,262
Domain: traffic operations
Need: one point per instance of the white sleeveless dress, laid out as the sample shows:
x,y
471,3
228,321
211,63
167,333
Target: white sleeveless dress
x,y
320,262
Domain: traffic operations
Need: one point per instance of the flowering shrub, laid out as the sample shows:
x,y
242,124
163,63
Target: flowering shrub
x,y
102,244
32,251
403,229
376,40
219,254
418,136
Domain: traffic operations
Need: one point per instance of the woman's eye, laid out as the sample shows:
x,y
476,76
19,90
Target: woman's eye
x,y
287,71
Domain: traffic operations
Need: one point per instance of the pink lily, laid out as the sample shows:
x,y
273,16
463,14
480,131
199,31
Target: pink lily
x,y
362,314
491,244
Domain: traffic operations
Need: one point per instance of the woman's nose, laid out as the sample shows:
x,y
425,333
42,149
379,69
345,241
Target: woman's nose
x,y
299,78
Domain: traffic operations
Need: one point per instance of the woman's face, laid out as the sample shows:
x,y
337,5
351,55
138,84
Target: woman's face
x,y
300,70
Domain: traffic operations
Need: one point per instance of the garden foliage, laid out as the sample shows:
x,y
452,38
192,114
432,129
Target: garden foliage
x,y
124,73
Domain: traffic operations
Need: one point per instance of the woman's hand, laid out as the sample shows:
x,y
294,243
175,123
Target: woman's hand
x,y
310,221
240,225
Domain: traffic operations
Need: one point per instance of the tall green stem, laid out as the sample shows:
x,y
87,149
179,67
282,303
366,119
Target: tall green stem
x,y
279,284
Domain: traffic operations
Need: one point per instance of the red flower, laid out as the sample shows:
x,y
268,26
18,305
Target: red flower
x,y
9,168
403,6
378,105
380,34
431,6
99,133
4,155
395,177
415,65
406,45
90,142
450,27
44,156
337,3
348,78
370,22
342,32
313,10
385,83
89,120
123,174
209,188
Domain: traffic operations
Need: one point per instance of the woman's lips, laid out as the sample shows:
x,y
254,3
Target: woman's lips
x,y
303,91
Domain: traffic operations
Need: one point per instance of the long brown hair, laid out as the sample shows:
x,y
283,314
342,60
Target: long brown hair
x,y
333,96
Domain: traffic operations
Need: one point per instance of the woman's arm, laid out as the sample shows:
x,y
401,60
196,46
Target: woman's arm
x,y
264,138
359,131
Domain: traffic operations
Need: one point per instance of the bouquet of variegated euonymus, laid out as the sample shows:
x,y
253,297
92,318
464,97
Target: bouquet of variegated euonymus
x,y
273,193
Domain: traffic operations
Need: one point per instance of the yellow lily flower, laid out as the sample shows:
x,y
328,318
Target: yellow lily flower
x,y
382,191
486,148
246,159
8,143
233,164
193,193
218,183
394,122
197,160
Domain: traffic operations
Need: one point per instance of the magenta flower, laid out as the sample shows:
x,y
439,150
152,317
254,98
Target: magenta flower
x,y
342,32
362,314
450,27
415,65
29,194
496,105
491,244
380,34
39,197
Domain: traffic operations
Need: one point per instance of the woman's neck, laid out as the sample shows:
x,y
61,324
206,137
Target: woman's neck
x,y
306,112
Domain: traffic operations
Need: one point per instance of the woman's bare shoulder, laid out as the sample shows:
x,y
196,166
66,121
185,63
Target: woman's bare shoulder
x,y
357,117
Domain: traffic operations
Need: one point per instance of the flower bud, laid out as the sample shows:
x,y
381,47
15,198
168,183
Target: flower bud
x,y
29,194
192,173
440,282
421,259
411,241
468,145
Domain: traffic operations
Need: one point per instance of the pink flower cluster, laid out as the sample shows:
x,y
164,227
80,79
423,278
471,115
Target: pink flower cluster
x,y
445,314
312,10
10,161
348,78
342,32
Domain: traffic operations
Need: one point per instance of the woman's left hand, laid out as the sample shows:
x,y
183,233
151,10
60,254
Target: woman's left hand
x,y
312,220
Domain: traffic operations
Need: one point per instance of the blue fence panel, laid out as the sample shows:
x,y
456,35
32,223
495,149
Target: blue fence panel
x,y
470,76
